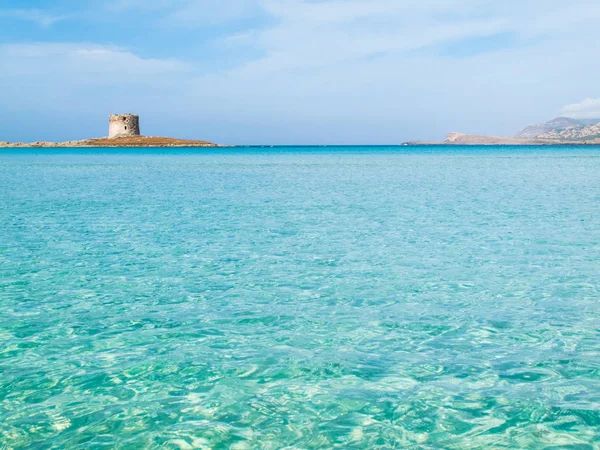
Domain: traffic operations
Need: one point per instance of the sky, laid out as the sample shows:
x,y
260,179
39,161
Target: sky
x,y
295,71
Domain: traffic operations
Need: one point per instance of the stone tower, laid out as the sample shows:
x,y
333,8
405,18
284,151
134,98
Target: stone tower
x,y
123,125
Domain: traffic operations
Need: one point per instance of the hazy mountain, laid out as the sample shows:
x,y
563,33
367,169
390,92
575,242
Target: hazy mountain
x,y
578,133
562,128
560,123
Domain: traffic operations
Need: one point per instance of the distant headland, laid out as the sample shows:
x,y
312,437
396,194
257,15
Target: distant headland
x,y
559,131
123,131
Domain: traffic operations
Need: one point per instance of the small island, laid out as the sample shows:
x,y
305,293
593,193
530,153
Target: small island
x,y
123,131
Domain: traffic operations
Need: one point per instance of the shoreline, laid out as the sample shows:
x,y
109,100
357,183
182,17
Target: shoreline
x,y
503,144
127,141
182,143
478,139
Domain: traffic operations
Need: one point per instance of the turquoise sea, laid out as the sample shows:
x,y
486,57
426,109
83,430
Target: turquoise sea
x,y
300,298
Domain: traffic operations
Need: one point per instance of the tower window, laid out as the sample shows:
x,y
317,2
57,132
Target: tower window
x,y
125,126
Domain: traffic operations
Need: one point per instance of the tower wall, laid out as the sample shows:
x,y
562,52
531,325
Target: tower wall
x,y
123,125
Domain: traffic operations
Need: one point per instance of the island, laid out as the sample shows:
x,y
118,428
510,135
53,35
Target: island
x,y
559,131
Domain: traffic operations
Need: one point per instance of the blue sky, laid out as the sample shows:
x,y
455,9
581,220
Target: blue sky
x,y
295,71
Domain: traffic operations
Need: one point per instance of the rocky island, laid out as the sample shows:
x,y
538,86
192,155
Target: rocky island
x,y
124,131
559,131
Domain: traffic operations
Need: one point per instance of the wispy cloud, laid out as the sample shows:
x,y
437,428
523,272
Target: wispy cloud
x,y
299,70
88,64
308,33
586,109
38,16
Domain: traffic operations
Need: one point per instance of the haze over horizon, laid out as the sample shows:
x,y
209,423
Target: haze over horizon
x,y
295,71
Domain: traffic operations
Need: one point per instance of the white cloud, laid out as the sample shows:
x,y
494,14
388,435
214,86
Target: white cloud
x,y
83,78
38,16
310,33
87,64
313,34
587,109
349,70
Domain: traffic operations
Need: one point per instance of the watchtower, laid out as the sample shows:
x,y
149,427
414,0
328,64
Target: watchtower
x,y
123,125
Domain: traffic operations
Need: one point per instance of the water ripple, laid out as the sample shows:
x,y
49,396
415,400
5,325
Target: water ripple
x,y
300,300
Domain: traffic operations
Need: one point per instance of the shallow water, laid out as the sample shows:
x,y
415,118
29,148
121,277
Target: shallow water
x,y
300,298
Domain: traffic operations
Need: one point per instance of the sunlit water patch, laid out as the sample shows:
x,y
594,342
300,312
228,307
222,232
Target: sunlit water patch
x,y
300,298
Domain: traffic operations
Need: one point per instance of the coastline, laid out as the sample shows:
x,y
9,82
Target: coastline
x,y
475,139
127,141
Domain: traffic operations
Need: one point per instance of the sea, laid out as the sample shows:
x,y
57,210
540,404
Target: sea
x,y
300,298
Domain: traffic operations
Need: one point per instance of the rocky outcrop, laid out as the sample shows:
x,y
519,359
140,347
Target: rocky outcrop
x,y
127,141
453,137
560,123
563,129
577,133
